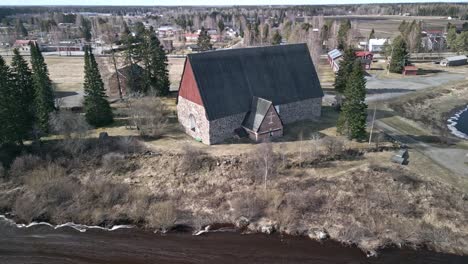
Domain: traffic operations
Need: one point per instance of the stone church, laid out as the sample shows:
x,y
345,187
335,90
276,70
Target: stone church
x,y
249,91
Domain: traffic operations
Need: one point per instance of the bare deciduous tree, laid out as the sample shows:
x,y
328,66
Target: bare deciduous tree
x,y
267,162
149,116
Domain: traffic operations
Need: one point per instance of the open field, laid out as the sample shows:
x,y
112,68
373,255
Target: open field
x,y
387,26
66,73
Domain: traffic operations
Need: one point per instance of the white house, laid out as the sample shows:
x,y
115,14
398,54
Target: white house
x,y
375,45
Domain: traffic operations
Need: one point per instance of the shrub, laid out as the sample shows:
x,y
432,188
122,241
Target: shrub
x,y
162,215
192,159
249,205
23,164
149,116
128,145
112,161
333,145
68,124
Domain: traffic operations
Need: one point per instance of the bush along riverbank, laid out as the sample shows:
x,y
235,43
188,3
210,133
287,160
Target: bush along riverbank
x,y
327,190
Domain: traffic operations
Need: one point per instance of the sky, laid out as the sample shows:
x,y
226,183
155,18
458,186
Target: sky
x,y
208,2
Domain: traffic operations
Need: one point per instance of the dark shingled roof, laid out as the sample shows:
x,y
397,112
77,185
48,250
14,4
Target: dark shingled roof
x,y
229,79
257,113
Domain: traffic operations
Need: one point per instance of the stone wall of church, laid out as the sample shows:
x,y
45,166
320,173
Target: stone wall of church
x,y
185,108
223,128
309,109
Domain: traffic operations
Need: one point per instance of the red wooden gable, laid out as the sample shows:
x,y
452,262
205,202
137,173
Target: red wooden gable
x,y
188,86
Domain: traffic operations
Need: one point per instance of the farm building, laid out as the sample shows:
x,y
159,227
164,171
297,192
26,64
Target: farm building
x,y
454,61
334,58
410,70
254,90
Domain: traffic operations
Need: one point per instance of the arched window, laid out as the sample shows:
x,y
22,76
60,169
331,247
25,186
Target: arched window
x,y
193,124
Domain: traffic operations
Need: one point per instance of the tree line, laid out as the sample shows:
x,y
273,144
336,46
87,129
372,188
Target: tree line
x,y
26,98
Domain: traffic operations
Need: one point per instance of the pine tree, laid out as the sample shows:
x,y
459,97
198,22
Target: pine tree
x,y
204,40
97,109
352,120
24,94
44,93
345,69
399,55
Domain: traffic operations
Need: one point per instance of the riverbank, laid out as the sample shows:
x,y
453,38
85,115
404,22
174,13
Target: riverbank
x,y
458,122
434,107
355,197
135,246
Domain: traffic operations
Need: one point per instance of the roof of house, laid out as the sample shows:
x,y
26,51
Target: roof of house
x,y
333,54
377,41
257,113
24,41
363,53
456,58
229,79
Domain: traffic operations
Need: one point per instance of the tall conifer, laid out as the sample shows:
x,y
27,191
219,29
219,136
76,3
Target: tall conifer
x,y
346,67
8,107
352,120
24,94
44,93
97,109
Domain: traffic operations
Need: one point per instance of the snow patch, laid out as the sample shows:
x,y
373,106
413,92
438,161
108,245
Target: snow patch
x,y
453,121
78,227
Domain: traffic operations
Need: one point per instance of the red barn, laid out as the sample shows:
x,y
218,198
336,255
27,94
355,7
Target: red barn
x,y
256,90
410,70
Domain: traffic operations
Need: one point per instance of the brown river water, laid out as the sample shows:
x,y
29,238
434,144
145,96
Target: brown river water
x,y
44,245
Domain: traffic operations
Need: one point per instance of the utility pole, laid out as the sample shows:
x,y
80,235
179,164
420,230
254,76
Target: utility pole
x,y
372,126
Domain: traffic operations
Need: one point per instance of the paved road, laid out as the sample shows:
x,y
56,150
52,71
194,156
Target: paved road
x,y
384,89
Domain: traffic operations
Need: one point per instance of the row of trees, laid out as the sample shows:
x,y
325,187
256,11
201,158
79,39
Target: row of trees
x,y
457,42
27,98
144,48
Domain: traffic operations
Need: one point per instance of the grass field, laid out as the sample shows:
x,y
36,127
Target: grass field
x,y
387,26
66,73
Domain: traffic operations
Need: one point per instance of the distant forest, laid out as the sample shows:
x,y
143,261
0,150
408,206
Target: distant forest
x,y
415,9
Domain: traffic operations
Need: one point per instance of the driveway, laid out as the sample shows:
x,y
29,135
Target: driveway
x,y
384,89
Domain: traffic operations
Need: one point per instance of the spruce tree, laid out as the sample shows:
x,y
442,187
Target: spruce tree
x,y
155,75
399,55
8,107
343,33
352,120
97,109
346,67
44,93
204,40
24,92
372,34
